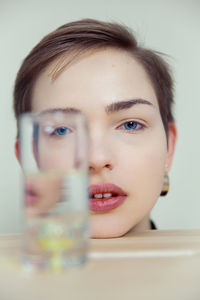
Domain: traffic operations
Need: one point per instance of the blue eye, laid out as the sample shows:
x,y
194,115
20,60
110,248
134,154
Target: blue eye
x,y
131,125
61,131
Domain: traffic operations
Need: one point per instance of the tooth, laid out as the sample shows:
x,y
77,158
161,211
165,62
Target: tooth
x,y
98,196
107,195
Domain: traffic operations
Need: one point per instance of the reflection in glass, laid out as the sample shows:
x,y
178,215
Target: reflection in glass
x,y
53,148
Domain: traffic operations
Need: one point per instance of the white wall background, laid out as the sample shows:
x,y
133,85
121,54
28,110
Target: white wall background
x,y
169,26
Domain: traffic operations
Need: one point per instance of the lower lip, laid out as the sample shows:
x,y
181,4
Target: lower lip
x,y
106,204
30,199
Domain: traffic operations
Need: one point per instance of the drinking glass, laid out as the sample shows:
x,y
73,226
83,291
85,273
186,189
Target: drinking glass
x,y
54,158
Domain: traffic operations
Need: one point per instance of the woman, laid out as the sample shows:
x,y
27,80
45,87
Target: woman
x,y
126,93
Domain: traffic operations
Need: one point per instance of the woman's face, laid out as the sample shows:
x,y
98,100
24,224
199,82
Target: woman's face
x,y
127,141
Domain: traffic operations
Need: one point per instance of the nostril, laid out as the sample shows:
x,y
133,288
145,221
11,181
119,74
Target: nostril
x,y
100,167
108,166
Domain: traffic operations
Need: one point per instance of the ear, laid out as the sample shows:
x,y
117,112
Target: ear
x,y
17,150
172,137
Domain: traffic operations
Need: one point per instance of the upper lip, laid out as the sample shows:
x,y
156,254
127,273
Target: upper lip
x,y
31,189
105,188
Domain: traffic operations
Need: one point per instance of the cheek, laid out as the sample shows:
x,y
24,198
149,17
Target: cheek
x,y
56,157
143,166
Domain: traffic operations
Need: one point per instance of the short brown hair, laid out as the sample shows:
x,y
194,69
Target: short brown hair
x,y
72,39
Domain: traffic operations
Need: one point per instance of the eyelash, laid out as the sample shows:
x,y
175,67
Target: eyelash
x,y
133,130
130,130
54,132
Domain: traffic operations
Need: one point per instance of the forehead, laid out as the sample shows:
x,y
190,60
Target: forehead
x,y
94,79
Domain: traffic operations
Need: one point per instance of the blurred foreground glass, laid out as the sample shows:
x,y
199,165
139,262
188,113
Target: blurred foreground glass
x,y
54,157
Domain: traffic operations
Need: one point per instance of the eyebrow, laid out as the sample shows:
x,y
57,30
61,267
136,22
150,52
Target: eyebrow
x,y
63,110
122,105
111,108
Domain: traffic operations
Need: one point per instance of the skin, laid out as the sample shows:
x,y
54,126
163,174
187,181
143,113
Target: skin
x,y
135,160
47,192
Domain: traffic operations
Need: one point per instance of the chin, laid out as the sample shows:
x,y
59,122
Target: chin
x,y
107,230
106,235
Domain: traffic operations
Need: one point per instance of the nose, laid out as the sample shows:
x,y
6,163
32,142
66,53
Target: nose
x,y
100,156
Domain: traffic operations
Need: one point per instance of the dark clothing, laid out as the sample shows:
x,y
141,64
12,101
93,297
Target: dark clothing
x,y
153,226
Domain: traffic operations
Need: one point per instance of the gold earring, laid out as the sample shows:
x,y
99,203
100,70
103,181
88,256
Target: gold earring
x,y
165,188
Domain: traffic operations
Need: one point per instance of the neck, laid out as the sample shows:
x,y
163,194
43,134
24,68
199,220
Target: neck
x,y
145,224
